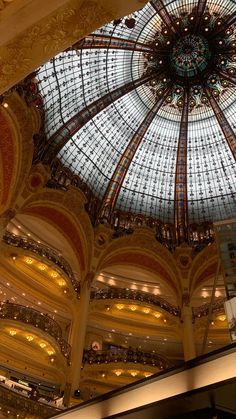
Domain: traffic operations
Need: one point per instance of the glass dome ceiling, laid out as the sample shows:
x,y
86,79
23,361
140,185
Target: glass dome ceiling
x,y
144,111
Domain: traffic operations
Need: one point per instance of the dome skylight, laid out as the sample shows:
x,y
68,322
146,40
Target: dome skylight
x,y
146,115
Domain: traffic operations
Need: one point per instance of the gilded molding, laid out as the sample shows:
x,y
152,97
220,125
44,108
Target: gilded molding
x,y
53,34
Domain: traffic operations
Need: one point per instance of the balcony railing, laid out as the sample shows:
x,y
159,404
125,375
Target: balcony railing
x,y
14,404
44,252
34,318
203,310
144,297
126,355
197,236
139,296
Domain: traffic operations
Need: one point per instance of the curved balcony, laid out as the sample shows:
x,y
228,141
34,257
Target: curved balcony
x,y
144,297
135,356
44,252
198,236
34,318
17,405
203,310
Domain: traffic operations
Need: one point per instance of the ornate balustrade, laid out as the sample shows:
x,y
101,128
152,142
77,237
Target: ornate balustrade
x,y
44,252
203,310
33,317
125,355
144,297
14,404
197,235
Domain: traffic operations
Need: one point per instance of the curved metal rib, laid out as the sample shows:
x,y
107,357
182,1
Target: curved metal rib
x,y
199,13
160,8
231,20
118,176
73,125
181,205
223,122
103,41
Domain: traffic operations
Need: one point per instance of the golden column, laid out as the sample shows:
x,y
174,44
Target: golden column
x,y
77,337
188,333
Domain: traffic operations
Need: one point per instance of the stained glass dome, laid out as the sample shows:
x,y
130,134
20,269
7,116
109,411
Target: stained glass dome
x,y
143,110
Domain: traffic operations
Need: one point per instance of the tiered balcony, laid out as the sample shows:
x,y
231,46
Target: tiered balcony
x,y
129,355
19,313
113,293
44,252
16,405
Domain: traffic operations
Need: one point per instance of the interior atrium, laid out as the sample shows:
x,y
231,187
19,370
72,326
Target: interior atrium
x,y
117,194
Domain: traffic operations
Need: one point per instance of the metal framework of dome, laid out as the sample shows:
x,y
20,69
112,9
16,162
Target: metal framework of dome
x,y
146,115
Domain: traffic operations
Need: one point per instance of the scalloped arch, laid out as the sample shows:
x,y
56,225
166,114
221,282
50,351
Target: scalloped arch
x,y
65,212
143,251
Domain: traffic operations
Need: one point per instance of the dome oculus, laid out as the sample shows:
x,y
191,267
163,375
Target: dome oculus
x,y
190,55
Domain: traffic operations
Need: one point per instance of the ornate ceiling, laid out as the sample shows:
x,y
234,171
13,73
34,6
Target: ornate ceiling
x,y
144,111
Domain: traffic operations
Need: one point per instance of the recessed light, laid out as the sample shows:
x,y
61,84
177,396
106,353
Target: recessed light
x,y
42,345
42,267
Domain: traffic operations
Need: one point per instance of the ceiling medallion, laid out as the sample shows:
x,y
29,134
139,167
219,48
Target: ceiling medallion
x,y
190,55
196,58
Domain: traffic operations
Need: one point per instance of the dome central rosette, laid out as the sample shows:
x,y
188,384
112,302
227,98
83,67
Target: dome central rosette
x,y
190,55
